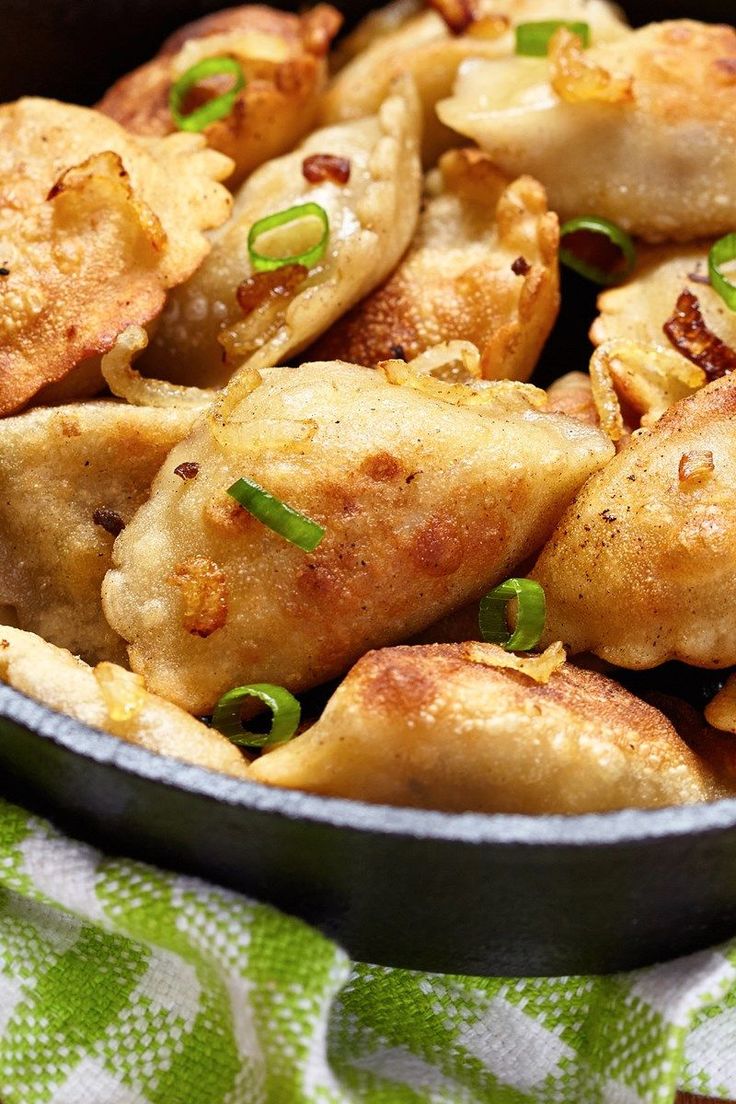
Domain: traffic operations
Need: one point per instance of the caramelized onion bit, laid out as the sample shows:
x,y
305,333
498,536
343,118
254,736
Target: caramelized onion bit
x,y
696,467
204,588
127,383
326,166
485,395
188,470
577,79
123,692
691,337
539,668
457,14
108,520
263,287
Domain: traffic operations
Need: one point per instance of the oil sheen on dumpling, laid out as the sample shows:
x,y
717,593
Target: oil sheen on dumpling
x,y
95,226
422,44
283,59
205,333
640,569
427,492
71,478
451,727
112,699
482,267
641,130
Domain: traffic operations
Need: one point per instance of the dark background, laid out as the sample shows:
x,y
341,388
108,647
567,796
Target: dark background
x,y
73,49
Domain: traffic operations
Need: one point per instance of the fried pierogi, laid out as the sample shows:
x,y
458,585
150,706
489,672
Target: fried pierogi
x,y
112,699
640,130
71,478
424,45
482,267
640,569
227,314
452,727
283,58
95,225
645,308
428,492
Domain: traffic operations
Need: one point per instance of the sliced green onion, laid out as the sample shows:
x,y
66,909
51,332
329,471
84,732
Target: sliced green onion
x,y
274,513
532,610
722,253
612,234
286,711
214,109
261,262
533,39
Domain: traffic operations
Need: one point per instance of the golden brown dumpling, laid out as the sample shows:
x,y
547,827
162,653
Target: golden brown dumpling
x,y
283,58
423,45
112,699
427,492
97,225
482,267
640,130
451,727
71,478
205,331
641,568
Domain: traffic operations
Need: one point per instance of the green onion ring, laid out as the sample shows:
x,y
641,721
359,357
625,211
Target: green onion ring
x,y
615,235
723,251
533,39
284,706
217,108
262,263
530,619
274,513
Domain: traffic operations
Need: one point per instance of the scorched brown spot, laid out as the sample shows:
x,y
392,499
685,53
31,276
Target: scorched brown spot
x,y
69,427
437,546
392,683
382,467
204,589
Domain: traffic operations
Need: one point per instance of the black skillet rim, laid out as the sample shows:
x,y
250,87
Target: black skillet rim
x,y
625,826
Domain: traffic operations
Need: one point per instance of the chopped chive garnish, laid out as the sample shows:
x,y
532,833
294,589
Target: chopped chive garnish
x,y
261,262
723,252
587,239
532,610
274,513
286,711
218,107
533,39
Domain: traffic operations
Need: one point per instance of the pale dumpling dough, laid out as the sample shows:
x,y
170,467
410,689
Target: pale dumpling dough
x,y
641,130
204,333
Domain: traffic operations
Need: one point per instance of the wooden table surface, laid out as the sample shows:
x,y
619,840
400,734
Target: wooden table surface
x,y
686,1098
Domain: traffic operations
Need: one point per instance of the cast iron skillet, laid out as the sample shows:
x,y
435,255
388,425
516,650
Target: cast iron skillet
x,y
469,894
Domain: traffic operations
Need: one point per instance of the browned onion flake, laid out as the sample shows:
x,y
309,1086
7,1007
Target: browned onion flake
x,y
262,286
690,336
457,14
326,166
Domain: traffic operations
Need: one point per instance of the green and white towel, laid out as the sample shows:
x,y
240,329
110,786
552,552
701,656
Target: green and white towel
x,y
121,984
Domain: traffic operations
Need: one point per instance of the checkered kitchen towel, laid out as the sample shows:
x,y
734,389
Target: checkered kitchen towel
x,y
120,984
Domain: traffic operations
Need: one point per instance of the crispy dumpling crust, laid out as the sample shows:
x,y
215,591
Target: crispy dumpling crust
x,y
430,727
420,505
640,130
95,225
69,478
112,699
640,569
204,332
482,267
283,57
